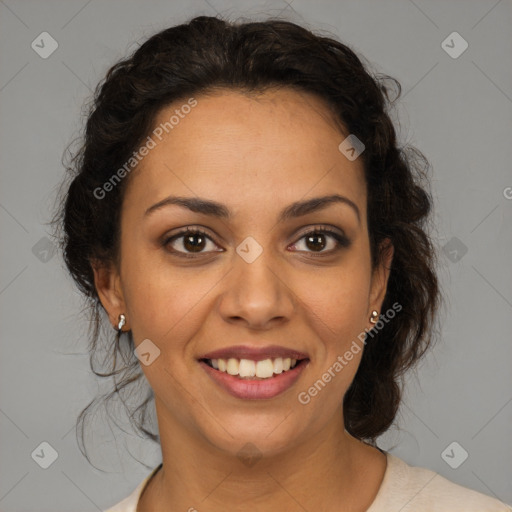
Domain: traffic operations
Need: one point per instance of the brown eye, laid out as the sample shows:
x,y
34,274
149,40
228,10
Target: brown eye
x,y
189,241
315,241
194,242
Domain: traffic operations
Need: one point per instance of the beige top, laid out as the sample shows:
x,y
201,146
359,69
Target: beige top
x,y
404,488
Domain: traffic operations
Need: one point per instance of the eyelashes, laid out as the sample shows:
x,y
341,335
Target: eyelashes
x,y
190,232
340,242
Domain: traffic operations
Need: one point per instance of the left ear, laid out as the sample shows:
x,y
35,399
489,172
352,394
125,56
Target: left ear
x,y
380,276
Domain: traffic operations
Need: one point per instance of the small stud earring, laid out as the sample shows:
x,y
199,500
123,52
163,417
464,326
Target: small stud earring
x,y
122,321
375,315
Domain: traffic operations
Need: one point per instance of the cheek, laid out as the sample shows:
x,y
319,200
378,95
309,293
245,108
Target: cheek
x,y
164,303
339,302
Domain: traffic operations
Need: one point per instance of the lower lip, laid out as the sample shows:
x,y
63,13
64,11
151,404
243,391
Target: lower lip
x,y
255,389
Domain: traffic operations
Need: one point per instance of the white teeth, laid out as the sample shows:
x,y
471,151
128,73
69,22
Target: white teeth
x,y
264,369
233,366
278,365
246,368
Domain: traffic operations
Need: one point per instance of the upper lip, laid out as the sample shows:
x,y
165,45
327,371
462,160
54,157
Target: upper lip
x,y
254,353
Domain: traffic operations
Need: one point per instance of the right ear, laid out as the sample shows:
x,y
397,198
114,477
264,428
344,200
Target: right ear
x,y
108,286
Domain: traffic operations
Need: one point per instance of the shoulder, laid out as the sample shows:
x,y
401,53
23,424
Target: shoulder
x,y
129,504
415,489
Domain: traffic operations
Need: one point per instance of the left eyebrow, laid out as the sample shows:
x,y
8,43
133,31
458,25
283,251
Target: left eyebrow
x,y
294,210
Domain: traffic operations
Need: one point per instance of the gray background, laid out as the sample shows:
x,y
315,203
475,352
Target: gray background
x,y
458,111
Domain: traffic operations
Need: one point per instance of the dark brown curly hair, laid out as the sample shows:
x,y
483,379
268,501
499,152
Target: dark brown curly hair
x,y
208,53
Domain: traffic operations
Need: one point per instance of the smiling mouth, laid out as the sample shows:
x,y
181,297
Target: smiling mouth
x,y
247,369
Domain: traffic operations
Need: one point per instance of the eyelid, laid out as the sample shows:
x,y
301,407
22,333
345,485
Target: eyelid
x,y
193,230
322,228
342,240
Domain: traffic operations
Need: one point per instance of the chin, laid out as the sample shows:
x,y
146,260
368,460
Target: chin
x,y
255,435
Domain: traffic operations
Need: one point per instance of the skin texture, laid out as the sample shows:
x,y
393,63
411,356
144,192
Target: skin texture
x,y
256,155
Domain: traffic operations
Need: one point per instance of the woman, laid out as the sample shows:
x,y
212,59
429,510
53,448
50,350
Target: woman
x,y
241,212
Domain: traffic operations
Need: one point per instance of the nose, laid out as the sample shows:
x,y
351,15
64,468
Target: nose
x,y
257,293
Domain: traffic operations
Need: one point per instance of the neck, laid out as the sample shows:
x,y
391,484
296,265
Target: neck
x,y
328,469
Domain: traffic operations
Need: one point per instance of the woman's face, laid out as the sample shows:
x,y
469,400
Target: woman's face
x,y
253,278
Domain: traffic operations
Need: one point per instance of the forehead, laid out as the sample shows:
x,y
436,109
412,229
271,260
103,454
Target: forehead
x,y
272,147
